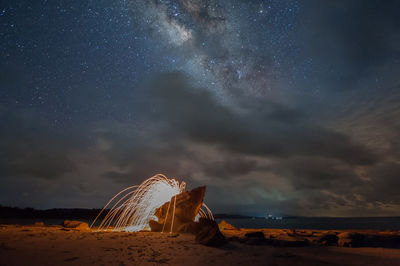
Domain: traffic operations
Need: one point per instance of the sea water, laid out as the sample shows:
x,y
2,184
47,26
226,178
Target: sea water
x,y
373,223
325,223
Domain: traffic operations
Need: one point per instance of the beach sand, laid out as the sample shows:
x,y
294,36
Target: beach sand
x,y
55,245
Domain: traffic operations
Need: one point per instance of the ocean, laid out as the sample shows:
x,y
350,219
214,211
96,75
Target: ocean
x,y
373,223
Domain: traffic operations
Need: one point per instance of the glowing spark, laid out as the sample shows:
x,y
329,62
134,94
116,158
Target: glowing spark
x,y
141,202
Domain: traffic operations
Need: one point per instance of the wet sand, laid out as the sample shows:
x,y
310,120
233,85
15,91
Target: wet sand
x,y
55,245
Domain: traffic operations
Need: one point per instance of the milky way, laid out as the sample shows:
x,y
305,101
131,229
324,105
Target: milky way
x,y
285,106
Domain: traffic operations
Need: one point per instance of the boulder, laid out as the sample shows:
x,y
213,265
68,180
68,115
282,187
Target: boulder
x,y
329,240
155,226
187,206
258,234
209,233
190,228
76,225
348,239
255,238
223,225
39,224
354,239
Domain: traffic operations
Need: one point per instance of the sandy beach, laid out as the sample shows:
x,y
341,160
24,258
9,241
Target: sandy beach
x,y
56,245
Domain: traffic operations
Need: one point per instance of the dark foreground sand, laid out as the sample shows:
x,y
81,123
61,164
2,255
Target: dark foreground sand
x,y
30,245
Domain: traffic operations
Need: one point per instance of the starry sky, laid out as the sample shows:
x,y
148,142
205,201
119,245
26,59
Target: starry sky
x,y
290,107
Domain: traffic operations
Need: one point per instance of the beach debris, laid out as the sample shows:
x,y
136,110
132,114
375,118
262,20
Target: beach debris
x,y
223,225
76,225
181,209
209,233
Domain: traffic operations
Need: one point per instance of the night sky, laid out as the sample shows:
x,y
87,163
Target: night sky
x,y
290,107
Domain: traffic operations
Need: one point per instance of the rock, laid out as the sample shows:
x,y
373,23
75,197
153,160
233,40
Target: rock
x,y
255,238
258,238
329,240
187,206
39,224
348,239
223,225
76,225
209,233
155,226
353,239
191,228
258,234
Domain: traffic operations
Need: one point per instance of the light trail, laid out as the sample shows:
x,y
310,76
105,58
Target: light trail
x,y
135,206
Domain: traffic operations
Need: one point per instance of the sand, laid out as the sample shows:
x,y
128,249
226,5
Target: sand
x,y
55,245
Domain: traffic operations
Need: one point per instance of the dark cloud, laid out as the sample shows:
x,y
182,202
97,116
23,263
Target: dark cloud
x,y
350,41
319,173
31,147
383,183
229,167
275,131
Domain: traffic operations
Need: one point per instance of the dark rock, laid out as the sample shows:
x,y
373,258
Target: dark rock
x,y
155,226
209,233
223,225
255,238
329,240
187,206
258,234
350,239
191,228
75,224
258,238
292,232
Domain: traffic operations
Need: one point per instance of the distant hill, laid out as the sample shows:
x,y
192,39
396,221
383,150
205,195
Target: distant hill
x,y
76,213
79,213
15,212
231,216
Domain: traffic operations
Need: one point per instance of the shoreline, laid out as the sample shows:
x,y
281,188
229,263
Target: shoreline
x,y
57,245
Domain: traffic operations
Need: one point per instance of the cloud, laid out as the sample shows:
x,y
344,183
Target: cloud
x,y
31,147
266,153
275,130
185,132
362,45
